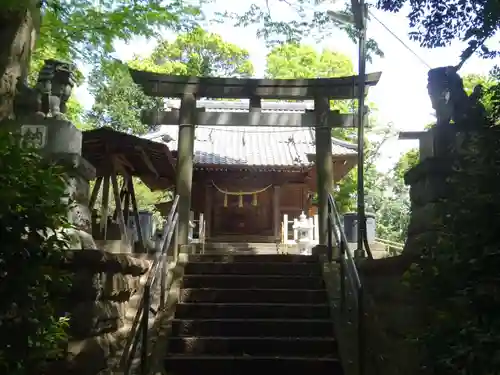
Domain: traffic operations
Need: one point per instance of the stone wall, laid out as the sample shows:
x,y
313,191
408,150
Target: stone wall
x,y
101,306
450,191
393,314
106,285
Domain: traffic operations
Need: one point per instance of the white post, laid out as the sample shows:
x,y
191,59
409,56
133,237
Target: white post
x,y
201,227
295,232
191,225
310,221
285,228
316,227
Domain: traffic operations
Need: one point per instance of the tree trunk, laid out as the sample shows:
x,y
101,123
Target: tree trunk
x,y
18,31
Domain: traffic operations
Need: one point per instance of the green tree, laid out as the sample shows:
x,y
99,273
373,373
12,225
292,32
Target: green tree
x,y
118,101
297,61
32,251
443,22
491,95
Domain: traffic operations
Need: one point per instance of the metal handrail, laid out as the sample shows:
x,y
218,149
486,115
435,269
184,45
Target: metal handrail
x,y
351,288
395,245
139,331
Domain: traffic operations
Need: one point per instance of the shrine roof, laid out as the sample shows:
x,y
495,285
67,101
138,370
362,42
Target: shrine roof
x,y
272,147
107,149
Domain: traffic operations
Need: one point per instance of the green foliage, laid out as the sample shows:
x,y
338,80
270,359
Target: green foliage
x,y
199,53
491,85
495,95
436,23
118,101
86,30
31,209
458,272
391,201
295,61
146,199
405,162
309,19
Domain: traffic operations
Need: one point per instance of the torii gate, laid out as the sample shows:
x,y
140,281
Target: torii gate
x,y
188,89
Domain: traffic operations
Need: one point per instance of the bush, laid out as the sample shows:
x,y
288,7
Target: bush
x,y
31,252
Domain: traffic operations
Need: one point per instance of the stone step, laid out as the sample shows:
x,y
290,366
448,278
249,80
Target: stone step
x,y
250,365
304,296
252,311
253,268
264,258
319,347
252,282
240,245
253,327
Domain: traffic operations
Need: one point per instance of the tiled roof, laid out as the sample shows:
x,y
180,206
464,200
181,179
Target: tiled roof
x,y
251,146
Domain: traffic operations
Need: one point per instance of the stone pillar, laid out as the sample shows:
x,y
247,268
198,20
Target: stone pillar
x,y
453,189
61,142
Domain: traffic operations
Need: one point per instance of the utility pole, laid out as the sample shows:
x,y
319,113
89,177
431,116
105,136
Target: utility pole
x,y
358,19
359,11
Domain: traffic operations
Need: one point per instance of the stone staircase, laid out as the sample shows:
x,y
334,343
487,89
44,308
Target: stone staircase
x,y
241,314
247,248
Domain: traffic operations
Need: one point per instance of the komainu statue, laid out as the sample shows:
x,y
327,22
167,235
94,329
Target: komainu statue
x,y
450,101
50,94
55,83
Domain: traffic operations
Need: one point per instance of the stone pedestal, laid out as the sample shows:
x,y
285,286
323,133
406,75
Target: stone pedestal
x,y
61,142
453,188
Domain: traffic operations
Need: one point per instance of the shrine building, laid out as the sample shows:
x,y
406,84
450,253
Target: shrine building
x,y
246,178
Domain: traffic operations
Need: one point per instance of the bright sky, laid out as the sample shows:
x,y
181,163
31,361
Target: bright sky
x,y
401,95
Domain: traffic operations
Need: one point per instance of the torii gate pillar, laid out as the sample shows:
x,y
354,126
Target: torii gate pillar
x,y
324,164
185,150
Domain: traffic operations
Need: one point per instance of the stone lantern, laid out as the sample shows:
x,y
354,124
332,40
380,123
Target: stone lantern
x,y
304,234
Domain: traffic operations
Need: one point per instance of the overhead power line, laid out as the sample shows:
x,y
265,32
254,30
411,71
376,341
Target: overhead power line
x,y
393,34
399,40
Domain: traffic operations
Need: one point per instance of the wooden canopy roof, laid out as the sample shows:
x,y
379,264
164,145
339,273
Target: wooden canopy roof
x,y
110,150
162,85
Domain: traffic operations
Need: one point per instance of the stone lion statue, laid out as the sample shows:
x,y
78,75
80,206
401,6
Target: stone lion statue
x,y
450,101
50,94
55,83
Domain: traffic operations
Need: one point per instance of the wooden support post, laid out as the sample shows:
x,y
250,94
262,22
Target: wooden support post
x,y
119,212
95,193
185,149
208,209
276,211
123,192
126,203
255,104
103,225
324,164
135,212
